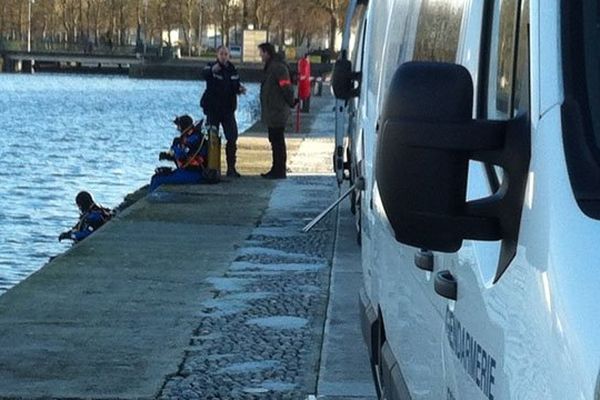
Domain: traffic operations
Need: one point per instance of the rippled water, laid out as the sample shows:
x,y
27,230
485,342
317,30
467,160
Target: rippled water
x,y
63,133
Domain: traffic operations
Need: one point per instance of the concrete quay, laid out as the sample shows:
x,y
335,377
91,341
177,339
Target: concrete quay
x,y
200,292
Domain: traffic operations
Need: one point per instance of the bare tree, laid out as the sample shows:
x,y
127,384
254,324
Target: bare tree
x,y
186,11
115,21
224,17
335,10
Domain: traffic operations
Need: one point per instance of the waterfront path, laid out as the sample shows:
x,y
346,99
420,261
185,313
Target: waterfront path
x,y
200,292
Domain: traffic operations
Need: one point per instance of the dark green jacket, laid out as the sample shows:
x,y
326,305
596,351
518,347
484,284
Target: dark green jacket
x,y
276,95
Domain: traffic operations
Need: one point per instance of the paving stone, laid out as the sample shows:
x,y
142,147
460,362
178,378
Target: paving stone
x,y
260,337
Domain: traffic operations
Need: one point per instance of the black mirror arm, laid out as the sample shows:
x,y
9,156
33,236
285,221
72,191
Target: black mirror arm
x,y
492,142
472,135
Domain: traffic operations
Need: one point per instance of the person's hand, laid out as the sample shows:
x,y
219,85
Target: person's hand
x,y
216,68
64,235
165,155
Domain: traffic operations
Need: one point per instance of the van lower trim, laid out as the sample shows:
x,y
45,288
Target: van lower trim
x,y
388,379
368,319
392,382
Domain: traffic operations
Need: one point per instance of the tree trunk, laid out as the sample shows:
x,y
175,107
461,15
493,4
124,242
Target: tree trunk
x,y
96,25
2,18
255,19
80,18
190,25
333,25
222,28
244,14
21,35
200,25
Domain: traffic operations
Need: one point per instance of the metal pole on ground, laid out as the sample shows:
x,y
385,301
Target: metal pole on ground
x,y
298,118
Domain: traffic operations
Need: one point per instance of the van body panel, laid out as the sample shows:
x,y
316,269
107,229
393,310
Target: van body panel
x,y
530,332
411,328
362,128
558,242
529,321
547,17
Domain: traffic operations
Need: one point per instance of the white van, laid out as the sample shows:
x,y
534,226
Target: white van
x,y
475,126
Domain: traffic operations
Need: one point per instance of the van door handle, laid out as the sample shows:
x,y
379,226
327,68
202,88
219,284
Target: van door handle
x,y
424,260
445,285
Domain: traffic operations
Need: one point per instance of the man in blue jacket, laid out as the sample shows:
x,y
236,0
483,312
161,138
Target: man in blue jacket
x,y
219,102
188,151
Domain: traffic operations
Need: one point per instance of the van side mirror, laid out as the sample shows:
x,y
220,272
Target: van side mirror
x,y
345,82
426,139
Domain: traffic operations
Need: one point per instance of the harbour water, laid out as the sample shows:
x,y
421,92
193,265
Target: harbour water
x,y
64,133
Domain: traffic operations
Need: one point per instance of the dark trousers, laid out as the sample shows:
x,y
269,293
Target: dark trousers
x,y
230,130
277,140
179,176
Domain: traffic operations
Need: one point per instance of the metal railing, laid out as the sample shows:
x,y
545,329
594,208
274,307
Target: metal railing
x,y
68,48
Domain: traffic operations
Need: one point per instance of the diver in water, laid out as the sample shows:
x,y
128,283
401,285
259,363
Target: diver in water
x,y
92,217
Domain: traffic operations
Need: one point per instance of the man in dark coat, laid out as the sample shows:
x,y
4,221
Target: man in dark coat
x,y
276,98
219,102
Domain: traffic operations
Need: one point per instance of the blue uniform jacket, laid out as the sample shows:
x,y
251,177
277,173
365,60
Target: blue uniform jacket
x,y
89,222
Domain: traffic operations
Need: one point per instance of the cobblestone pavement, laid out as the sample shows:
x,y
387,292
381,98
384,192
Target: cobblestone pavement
x,y
260,336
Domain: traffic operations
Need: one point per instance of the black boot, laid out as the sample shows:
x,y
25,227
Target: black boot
x,y
230,150
279,161
268,174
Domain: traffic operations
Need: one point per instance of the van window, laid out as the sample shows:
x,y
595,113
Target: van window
x,y
508,77
581,110
438,30
357,28
394,42
375,57
502,57
591,63
521,98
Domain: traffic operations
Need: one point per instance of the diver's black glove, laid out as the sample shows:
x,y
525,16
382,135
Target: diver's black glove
x,y
164,155
64,235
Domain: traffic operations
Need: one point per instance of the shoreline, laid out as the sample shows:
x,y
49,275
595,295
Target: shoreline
x,y
198,291
171,70
252,143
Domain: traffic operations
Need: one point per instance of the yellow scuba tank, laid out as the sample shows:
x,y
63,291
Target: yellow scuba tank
x,y
214,149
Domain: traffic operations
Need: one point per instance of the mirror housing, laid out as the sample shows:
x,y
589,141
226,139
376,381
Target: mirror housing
x,y
426,139
345,82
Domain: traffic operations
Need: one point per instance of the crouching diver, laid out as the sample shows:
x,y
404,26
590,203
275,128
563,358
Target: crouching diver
x,y
188,151
93,216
